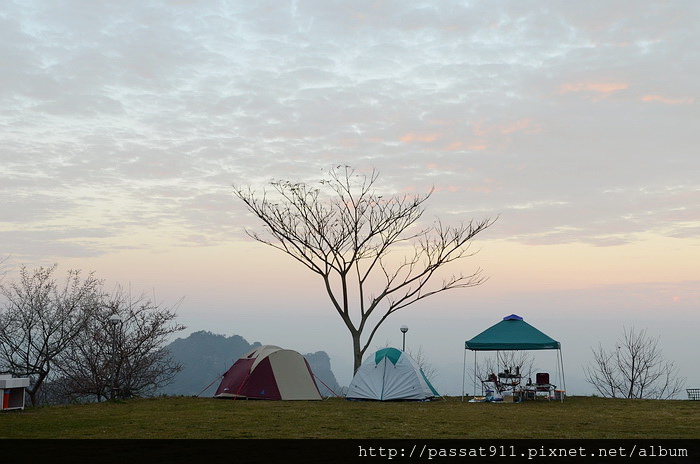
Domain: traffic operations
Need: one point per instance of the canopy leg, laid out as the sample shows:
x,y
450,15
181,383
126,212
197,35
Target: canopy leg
x,y
475,375
464,372
563,379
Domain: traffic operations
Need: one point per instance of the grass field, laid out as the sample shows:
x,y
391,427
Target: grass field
x,y
186,417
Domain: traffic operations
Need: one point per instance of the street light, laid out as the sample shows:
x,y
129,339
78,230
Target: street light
x,y
404,329
115,320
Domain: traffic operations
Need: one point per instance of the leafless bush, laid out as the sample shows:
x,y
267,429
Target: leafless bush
x,y
635,368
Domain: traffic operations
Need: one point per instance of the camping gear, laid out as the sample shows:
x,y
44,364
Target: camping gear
x,y
512,333
269,373
543,386
390,375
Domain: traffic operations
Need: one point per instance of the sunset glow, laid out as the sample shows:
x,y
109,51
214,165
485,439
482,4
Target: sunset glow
x,y
125,124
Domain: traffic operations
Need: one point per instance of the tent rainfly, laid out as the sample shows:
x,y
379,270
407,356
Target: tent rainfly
x,y
269,373
512,334
390,375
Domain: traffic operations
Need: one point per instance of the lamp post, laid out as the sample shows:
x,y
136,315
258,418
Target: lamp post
x,y
115,320
404,329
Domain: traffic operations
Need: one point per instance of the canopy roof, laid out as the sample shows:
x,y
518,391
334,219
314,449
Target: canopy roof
x,y
512,333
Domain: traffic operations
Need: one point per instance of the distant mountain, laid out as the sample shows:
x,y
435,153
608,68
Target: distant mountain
x,y
320,364
205,357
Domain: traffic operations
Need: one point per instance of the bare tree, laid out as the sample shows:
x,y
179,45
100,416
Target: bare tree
x,y
429,370
634,369
124,359
40,318
343,231
3,272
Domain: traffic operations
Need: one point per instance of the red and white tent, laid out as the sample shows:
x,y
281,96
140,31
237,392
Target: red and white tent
x,y
269,373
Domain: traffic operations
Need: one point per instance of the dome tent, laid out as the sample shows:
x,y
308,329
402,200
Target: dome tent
x,y
390,375
270,373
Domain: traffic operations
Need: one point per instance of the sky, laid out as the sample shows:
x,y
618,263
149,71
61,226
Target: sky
x,y
124,125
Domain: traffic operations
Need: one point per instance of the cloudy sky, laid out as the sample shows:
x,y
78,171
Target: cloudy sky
x,y
124,125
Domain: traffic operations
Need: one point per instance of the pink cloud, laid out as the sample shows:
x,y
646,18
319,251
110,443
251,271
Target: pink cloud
x,y
668,101
413,137
456,146
488,185
525,125
449,188
602,89
444,167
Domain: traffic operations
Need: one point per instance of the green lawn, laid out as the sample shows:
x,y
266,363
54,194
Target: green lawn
x,y
186,417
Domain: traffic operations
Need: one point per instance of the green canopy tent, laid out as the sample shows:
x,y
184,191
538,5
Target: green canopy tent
x,y
512,334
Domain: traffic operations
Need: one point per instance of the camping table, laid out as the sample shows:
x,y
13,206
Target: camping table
x,y
491,383
510,380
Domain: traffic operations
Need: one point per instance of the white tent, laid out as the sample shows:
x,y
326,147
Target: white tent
x,y
390,374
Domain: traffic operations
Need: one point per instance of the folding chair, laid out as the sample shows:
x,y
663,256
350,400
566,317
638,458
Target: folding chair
x,y
542,384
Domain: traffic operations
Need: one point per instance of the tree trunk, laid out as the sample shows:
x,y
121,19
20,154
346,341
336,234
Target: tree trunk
x,y
32,392
32,396
357,351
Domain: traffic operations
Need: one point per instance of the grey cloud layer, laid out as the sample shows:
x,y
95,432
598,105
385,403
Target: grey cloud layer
x,y
575,122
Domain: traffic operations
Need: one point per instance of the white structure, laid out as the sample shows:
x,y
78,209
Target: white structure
x,y
12,392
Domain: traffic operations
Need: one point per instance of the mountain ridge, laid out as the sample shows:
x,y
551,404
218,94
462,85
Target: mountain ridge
x,y
205,358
